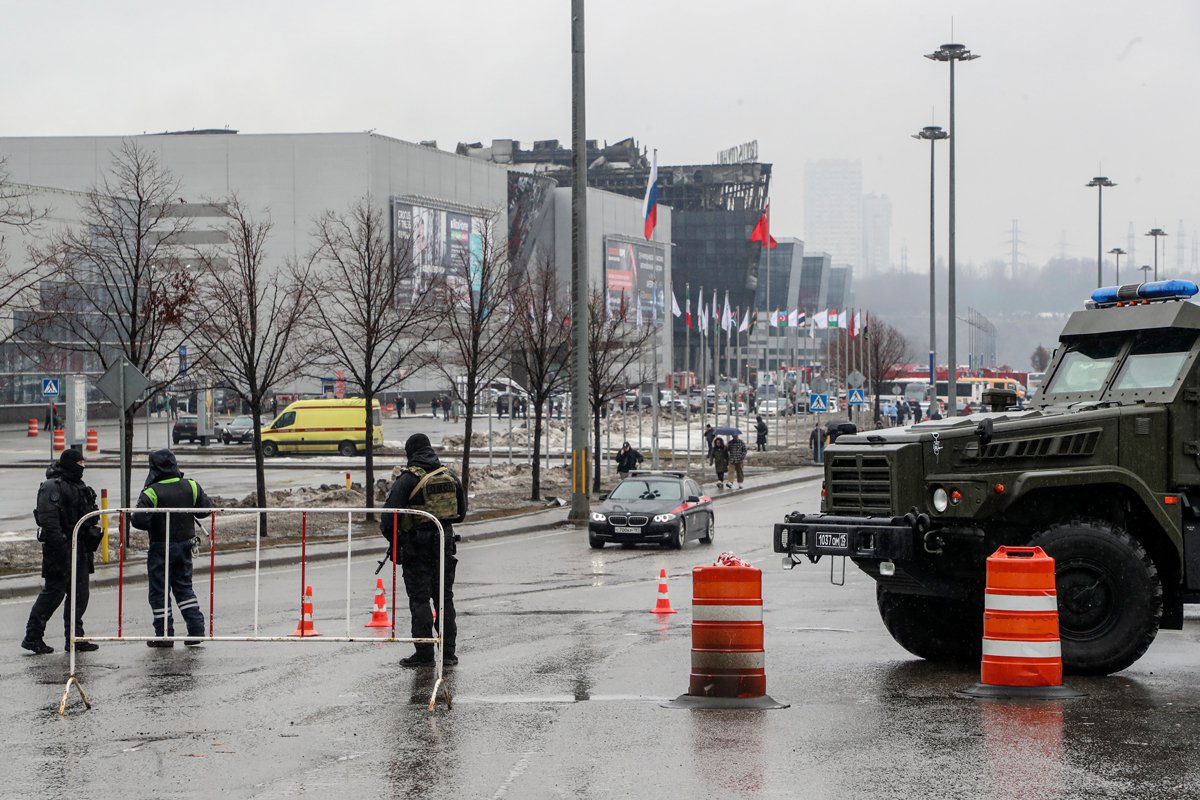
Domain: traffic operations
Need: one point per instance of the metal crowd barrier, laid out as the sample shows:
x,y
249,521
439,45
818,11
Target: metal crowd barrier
x,y
440,686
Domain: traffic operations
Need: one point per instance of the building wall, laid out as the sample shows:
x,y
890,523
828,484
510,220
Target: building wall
x,y
877,234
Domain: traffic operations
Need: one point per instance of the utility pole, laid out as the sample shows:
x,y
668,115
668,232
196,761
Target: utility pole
x,y
581,452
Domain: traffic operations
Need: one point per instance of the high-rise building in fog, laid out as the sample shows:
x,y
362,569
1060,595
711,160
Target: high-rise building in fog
x,y
833,209
877,234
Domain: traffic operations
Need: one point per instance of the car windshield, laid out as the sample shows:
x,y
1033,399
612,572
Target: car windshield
x,y
1155,362
646,490
239,422
1085,366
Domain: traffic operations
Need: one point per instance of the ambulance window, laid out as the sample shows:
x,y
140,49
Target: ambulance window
x,y
1086,366
286,419
1154,362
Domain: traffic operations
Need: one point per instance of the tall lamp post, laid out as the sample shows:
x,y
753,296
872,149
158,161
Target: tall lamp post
x,y
1100,182
1145,268
934,134
1156,232
1117,252
951,53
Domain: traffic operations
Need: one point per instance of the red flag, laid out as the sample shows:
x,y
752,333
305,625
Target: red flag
x,y
762,230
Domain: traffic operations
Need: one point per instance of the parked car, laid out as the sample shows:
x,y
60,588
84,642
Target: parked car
x,y
653,507
186,427
241,430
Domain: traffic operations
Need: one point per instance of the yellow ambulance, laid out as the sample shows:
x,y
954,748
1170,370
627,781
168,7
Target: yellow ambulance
x,y
323,426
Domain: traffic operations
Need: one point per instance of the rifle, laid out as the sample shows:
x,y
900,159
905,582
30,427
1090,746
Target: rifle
x,y
383,560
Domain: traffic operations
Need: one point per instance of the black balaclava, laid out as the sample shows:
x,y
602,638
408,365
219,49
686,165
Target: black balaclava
x,y
70,463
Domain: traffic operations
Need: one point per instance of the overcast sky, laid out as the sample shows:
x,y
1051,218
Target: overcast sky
x,y
1064,90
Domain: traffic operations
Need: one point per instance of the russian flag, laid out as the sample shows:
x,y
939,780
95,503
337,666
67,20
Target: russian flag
x,y
650,203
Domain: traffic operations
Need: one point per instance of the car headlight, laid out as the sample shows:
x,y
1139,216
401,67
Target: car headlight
x,y
663,517
598,517
941,500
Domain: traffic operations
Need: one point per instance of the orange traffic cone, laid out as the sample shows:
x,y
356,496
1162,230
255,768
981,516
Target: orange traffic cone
x,y
305,627
664,602
379,614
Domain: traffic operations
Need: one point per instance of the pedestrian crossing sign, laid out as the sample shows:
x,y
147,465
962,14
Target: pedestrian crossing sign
x,y
856,398
818,403
49,387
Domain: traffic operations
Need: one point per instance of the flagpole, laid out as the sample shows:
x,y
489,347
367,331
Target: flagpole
x,y
687,370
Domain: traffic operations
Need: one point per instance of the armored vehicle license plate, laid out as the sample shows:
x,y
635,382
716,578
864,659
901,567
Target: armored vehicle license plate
x,y
831,540
625,529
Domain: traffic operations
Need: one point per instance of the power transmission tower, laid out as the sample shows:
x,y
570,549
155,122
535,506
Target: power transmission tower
x,y
1014,243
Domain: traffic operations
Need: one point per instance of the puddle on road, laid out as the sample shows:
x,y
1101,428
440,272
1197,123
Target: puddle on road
x,y
554,699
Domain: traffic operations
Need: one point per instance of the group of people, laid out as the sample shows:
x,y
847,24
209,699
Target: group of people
x,y
731,456
64,498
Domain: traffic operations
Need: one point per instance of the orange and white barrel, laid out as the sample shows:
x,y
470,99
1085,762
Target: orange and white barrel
x,y
33,428
728,654
60,440
1022,652
93,441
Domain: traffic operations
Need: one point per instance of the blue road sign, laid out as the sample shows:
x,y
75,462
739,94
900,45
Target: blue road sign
x,y
183,359
818,403
856,398
49,387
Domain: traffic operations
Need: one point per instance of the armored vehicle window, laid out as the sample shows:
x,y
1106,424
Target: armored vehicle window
x,y
1155,362
1085,366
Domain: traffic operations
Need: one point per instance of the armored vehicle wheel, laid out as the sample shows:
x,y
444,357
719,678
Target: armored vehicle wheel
x,y
934,628
1109,595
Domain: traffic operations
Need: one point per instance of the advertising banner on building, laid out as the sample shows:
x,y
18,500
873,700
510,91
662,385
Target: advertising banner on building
x,y
443,245
635,280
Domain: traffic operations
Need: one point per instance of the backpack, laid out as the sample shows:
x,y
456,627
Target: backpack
x,y
441,497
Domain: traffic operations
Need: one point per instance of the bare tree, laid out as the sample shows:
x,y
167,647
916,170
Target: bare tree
x,y
118,287
886,347
616,351
542,345
1040,359
372,313
17,214
252,342
477,330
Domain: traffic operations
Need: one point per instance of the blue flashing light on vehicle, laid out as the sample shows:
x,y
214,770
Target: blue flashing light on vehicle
x,y
1134,292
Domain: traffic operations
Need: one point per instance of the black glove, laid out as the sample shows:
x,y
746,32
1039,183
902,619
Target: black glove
x,y
92,538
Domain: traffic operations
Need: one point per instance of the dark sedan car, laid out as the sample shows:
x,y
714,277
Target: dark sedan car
x,y
653,507
241,430
186,428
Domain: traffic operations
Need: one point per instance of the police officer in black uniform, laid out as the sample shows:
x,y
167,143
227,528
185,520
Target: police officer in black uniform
x,y
419,555
167,488
63,498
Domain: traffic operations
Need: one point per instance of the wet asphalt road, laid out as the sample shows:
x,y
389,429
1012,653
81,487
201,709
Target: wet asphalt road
x,y
558,691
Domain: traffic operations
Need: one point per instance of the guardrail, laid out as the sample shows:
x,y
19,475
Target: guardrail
x,y
440,686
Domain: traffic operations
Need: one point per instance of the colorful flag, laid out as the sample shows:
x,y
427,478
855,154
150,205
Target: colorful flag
x,y
833,319
852,325
781,319
753,321
867,327
762,230
650,203
675,312
688,307
801,318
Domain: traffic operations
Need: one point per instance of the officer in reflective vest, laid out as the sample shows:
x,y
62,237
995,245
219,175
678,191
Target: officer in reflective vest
x,y
170,555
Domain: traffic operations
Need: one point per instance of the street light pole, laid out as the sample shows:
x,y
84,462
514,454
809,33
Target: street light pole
x,y
1100,182
933,133
581,452
951,53
1156,232
1145,268
1118,252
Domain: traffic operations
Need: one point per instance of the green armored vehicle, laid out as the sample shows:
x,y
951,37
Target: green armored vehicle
x,y
1103,473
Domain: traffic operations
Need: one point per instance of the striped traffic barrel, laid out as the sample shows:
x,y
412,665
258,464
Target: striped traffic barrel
x,y
1022,653
728,658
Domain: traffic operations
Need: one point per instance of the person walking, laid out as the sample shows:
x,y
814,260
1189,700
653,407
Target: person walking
x,y
720,462
709,437
62,500
169,557
433,407
737,456
417,539
760,433
627,460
